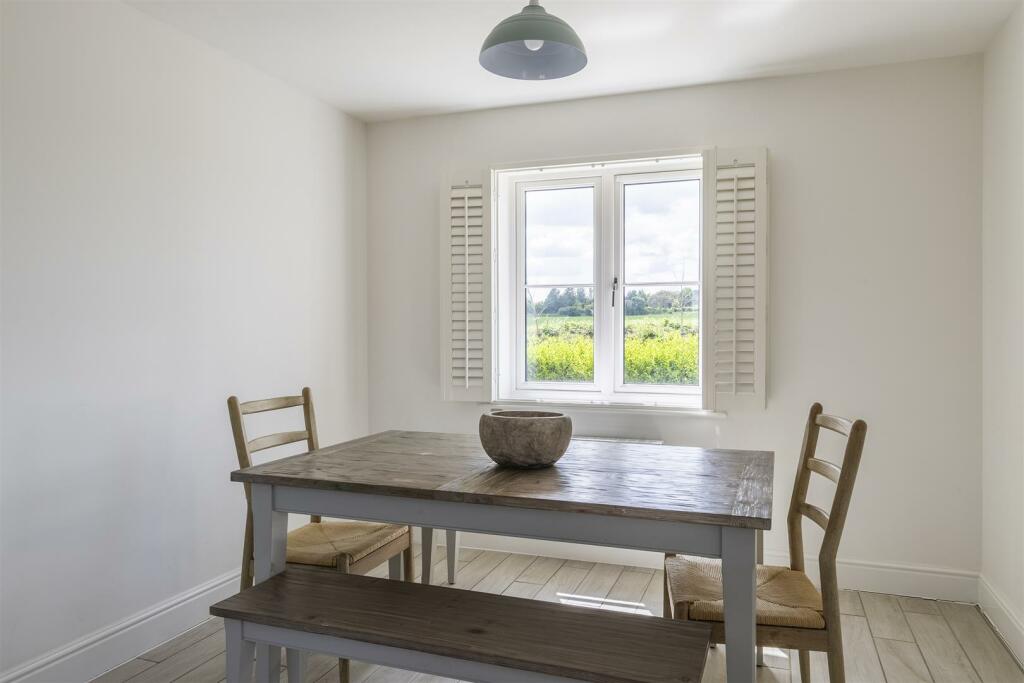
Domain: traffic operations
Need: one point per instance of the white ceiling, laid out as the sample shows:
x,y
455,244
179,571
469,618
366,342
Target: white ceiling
x,y
390,59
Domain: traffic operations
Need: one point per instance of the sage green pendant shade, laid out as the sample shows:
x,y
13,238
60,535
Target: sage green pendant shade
x,y
533,45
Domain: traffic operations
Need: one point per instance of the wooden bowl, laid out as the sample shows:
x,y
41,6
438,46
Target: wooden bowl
x,y
526,439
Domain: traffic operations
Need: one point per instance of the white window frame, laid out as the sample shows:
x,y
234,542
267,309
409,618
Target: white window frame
x,y
608,179
621,180
521,188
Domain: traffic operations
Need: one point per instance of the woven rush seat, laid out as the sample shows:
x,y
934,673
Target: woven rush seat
x,y
784,597
321,544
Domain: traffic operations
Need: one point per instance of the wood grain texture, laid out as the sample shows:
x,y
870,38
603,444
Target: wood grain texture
x,y
646,481
521,589
504,574
179,643
125,671
595,586
565,582
860,661
541,570
947,661
628,592
902,662
499,630
986,652
920,605
885,616
849,603
184,661
470,573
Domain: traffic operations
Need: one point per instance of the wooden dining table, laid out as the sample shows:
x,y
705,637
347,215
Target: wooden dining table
x,y
668,499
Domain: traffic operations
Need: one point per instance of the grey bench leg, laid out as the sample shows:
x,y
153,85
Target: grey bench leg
x,y
452,548
426,550
239,653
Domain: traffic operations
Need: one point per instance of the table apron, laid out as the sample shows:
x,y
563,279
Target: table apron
x,y
549,525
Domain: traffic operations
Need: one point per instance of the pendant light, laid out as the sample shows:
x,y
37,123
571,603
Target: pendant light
x,y
533,46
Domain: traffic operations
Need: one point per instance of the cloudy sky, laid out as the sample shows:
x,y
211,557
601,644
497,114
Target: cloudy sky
x,y
662,229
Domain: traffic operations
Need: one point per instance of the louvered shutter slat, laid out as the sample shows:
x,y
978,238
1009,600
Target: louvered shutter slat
x,y
737,234
465,272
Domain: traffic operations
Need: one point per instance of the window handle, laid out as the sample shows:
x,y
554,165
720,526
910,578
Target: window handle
x,y
615,288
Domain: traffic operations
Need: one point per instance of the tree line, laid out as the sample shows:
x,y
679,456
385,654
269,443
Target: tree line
x,y
579,301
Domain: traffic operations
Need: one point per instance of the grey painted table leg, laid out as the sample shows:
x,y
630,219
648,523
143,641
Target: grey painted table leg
x,y
426,550
760,560
452,549
270,547
738,584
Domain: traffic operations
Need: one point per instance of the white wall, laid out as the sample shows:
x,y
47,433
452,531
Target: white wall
x,y
1002,567
177,227
875,283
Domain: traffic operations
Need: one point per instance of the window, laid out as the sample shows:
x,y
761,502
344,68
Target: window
x,y
606,262
621,282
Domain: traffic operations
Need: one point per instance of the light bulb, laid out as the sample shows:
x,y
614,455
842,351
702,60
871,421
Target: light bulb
x,y
533,45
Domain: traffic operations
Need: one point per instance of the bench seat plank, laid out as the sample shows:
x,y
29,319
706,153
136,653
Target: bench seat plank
x,y
558,640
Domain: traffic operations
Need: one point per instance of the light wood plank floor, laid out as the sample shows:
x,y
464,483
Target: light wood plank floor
x,y
888,639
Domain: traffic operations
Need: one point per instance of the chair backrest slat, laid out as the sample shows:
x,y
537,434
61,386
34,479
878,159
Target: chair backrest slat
x,y
245,448
824,468
835,423
279,439
815,514
263,405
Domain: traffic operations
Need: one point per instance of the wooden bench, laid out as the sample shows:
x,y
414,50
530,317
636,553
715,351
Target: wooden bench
x,y
460,634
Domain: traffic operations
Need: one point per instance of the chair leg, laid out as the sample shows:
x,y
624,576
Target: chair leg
x,y
666,601
805,666
836,667
408,571
247,577
426,553
452,550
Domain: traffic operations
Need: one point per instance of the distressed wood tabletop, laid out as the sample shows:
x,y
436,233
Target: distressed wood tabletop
x,y
647,481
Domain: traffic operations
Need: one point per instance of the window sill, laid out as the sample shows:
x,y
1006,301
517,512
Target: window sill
x,y
610,407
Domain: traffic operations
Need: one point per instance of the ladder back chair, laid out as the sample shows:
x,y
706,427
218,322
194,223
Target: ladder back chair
x,y
346,546
791,612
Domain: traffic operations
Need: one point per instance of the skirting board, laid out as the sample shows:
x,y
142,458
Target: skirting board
x,y
98,652
1006,622
917,581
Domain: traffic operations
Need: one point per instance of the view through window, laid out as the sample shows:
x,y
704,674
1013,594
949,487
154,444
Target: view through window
x,y
608,281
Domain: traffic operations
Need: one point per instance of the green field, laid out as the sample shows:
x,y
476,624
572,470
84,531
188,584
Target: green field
x,y
660,348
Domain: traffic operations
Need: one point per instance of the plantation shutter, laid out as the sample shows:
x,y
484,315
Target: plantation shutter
x,y
736,277
465,294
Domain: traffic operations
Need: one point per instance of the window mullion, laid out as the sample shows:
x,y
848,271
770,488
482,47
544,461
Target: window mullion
x,y
609,269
